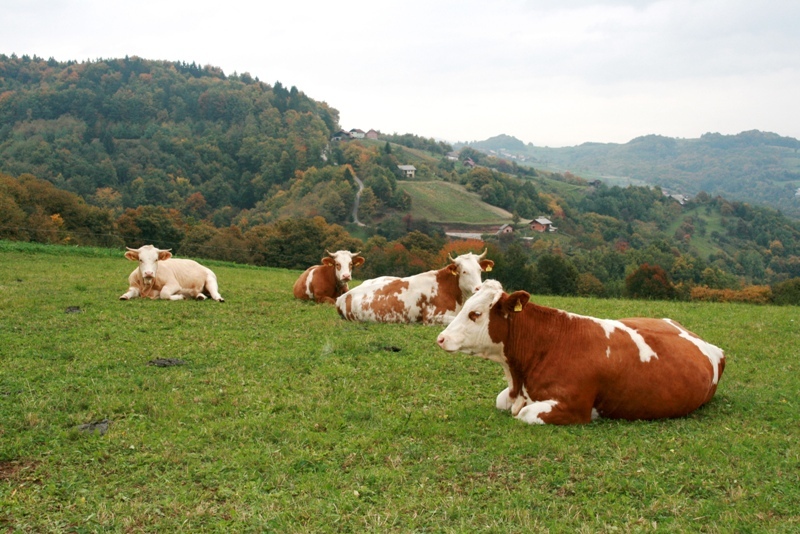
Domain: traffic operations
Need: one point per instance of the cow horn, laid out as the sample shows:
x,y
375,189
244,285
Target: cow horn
x,y
483,255
329,253
450,257
132,249
356,253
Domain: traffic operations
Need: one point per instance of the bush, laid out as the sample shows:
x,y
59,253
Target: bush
x,y
787,292
750,294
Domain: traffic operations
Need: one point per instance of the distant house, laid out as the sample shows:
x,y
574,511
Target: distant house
x,y
797,193
372,134
542,224
680,198
408,170
355,133
505,229
452,156
469,163
341,135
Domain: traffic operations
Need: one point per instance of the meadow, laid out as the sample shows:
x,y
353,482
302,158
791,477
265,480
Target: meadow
x,y
439,201
284,418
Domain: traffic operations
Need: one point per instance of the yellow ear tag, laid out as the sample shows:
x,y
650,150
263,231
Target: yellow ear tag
x,y
454,273
518,307
489,268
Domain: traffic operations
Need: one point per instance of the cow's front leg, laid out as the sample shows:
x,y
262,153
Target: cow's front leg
x,y
504,400
132,293
171,293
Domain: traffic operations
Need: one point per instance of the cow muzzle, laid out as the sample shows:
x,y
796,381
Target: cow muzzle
x,y
446,343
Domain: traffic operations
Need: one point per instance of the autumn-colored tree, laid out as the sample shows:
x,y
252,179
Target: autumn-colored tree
x,y
649,282
590,286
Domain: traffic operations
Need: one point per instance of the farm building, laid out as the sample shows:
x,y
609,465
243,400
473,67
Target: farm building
x,y
542,224
407,170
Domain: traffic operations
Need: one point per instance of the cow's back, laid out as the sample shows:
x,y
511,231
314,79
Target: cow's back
x,y
426,297
680,376
375,300
189,274
636,368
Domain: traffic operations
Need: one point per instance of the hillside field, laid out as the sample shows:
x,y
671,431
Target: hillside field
x,y
445,202
285,418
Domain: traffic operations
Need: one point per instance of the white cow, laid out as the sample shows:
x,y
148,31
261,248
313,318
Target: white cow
x,y
159,275
433,297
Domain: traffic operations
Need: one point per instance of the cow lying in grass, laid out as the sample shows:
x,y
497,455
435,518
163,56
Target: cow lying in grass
x,y
430,298
159,275
326,282
563,368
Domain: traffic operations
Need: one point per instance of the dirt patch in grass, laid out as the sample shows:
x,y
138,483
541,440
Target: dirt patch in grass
x,y
15,469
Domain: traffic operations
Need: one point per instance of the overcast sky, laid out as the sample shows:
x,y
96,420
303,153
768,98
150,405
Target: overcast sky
x,y
551,73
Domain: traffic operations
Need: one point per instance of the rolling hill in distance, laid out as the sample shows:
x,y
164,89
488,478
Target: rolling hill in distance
x,y
753,166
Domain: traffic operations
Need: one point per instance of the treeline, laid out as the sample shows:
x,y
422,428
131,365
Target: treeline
x,y
34,210
427,144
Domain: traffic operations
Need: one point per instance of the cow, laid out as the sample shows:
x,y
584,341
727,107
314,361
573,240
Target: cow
x,y
159,275
324,283
432,297
562,368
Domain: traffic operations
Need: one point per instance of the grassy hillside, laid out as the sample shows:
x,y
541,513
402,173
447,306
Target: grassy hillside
x,y
445,202
285,418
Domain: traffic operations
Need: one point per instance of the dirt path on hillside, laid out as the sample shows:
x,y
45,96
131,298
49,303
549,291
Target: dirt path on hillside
x,y
357,201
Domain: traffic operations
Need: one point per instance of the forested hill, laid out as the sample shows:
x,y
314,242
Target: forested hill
x,y
133,132
127,152
757,167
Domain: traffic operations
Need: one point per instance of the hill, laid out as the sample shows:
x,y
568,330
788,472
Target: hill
x,y
130,132
126,152
757,167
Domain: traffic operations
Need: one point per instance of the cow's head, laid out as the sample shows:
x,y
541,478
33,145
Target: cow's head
x,y
470,332
468,267
343,261
148,257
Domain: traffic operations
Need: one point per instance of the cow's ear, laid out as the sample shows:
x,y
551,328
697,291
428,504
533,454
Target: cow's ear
x,y
516,301
132,255
358,260
487,265
328,261
453,269
164,255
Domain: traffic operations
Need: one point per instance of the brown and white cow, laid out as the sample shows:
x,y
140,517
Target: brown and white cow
x,y
563,368
159,275
433,297
323,283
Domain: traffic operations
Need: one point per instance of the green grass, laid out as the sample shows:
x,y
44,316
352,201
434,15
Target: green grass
x,y
445,202
287,419
704,245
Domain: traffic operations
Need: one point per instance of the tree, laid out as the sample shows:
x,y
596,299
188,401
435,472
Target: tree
x,y
512,269
649,282
555,275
